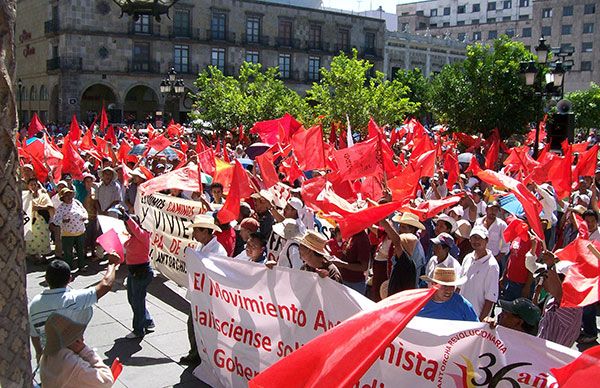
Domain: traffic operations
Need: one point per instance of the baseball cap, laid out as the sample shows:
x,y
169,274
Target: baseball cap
x,y
443,239
479,230
524,309
250,223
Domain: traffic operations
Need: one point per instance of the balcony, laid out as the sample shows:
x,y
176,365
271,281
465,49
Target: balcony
x,y
345,48
255,39
220,36
228,70
64,63
293,75
193,69
371,52
51,26
310,78
287,42
178,33
317,45
147,30
143,67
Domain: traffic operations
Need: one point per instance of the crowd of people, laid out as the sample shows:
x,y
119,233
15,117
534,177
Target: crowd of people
x,y
463,250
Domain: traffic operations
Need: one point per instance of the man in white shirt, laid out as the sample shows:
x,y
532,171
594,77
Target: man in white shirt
x,y
203,231
482,272
495,227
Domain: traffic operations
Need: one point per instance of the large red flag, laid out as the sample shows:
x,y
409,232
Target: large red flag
x,y
103,119
86,141
271,131
41,172
433,207
581,284
110,135
35,126
473,166
491,158
110,242
267,169
453,169
309,149
342,355
74,129
581,372
159,143
516,229
332,134
424,163
355,222
231,209
586,164
359,161
206,160
185,178
72,163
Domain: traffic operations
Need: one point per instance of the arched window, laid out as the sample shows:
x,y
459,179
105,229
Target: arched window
x,y
24,90
33,94
43,93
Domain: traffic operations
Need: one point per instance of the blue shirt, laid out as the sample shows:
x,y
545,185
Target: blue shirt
x,y
456,308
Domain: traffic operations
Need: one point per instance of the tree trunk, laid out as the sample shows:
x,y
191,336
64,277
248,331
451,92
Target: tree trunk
x,y
15,358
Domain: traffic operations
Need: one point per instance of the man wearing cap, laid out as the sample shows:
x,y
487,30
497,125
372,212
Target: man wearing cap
x,y
246,227
520,315
443,243
137,178
71,217
109,192
262,205
482,272
461,238
313,251
446,303
495,227
204,227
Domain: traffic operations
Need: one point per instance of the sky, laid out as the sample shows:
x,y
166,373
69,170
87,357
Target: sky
x,y
365,5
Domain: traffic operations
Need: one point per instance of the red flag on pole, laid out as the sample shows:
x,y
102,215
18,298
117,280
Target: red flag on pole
x,y
103,119
339,357
231,209
74,130
359,161
451,165
581,285
267,169
582,372
586,164
35,126
309,149
110,135
352,223
72,162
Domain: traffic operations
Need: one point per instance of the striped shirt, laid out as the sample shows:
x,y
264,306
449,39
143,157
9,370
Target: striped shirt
x,y
560,324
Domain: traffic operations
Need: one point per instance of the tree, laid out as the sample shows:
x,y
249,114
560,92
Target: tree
x,y
419,89
347,90
15,358
486,91
255,95
586,105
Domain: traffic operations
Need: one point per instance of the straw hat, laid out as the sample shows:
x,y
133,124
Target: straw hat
x,y
287,229
204,221
64,191
463,229
409,219
61,332
445,277
314,241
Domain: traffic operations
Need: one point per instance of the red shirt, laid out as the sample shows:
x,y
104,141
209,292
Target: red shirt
x,y
359,251
335,248
227,239
515,269
137,248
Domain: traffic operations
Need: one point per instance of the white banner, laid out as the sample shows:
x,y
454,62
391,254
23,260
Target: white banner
x,y
246,317
168,219
27,213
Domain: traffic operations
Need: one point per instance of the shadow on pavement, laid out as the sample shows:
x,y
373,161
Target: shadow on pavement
x,y
125,349
159,289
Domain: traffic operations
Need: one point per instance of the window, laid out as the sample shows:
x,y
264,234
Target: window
x,y
566,47
507,4
217,25
589,9
33,94
506,18
546,13
252,57
546,30
446,24
586,47
433,12
460,23
285,32
586,66
142,25
566,29
491,6
461,9
491,20
493,34
404,27
477,35
568,10
43,93
476,8
420,13
433,25
588,28
285,62
141,55
510,32
252,29
181,22
422,26
370,40
314,37
523,3
462,36
181,58
526,32
217,58
475,21
446,11
314,64
344,38
523,17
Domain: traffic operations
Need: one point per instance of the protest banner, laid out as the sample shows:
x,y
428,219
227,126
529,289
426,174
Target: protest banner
x,y
168,219
246,317
27,214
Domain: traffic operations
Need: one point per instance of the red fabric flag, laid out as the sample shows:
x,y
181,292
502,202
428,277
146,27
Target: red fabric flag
x,y
473,166
339,357
87,142
519,158
116,368
226,155
580,147
159,143
451,165
40,170
174,130
355,222
586,163
342,140
110,242
309,149
405,185
491,158
231,209
421,145
581,286
267,169
559,173
370,187
123,154
465,139
425,163
101,147
332,134
516,229
581,372
582,229
200,146
206,159
72,163
35,126
373,128
185,179
184,146
359,161
146,172
269,131
110,135
151,131
103,119
74,129
433,207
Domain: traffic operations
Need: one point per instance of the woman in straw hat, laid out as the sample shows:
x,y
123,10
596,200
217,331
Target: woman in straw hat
x,y
316,257
67,361
446,303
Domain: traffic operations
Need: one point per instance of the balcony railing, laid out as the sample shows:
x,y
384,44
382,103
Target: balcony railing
x,y
190,33
310,78
372,52
64,63
317,45
193,69
226,70
346,48
287,42
255,39
224,36
143,67
149,30
51,26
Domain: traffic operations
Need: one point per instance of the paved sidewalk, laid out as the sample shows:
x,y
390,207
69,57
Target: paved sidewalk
x,y
150,362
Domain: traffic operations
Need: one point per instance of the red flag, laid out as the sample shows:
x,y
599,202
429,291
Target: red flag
x,y
581,285
451,165
206,160
433,207
103,119
116,368
231,209
40,170
370,187
185,178
146,172
421,144
425,163
87,142
174,130
110,135
123,154
581,372
473,166
359,161
110,242
35,125
516,229
343,142
355,222
200,146
151,131
72,163
332,134
309,149
586,163
74,129
339,357
267,169
159,143
491,158
269,131
405,185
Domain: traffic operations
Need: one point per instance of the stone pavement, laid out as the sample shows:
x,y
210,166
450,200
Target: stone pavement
x,y
149,362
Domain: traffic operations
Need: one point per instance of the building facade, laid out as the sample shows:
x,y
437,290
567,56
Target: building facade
x,y
75,55
562,22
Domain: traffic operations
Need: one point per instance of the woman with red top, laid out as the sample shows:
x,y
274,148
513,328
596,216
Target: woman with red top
x,y
137,252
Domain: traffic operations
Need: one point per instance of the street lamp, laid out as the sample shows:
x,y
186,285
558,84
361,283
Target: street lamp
x,y
542,51
172,88
20,86
136,8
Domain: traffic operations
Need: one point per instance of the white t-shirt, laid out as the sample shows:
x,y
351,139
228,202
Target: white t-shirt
x,y
450,262
496,242
482,280
289,256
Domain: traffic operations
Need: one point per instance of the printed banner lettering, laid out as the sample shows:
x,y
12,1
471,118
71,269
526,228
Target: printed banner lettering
x,y
27,214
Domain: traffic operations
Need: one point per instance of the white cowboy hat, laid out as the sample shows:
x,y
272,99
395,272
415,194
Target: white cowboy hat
x,y
204,221
445,277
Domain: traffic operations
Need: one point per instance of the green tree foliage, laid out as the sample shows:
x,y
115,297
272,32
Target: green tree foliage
x,y
586,105
348,90
486,91
419,88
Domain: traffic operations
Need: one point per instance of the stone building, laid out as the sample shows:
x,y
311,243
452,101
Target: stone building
x,y
75,55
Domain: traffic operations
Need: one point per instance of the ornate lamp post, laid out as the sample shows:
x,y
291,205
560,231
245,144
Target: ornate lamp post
x,y
136,8
173,88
